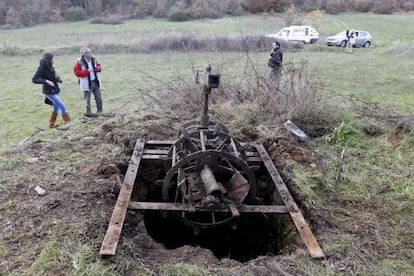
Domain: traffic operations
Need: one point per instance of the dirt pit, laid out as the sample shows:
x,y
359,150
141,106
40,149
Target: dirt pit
x,y
252,236
242,239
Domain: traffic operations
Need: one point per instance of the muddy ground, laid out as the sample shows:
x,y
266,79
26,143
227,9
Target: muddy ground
x,y
82,169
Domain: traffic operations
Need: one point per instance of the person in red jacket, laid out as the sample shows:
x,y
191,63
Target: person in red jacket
x,y
87,69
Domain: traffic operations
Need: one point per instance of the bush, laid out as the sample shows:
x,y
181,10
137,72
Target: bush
x,y
75,14
249,96
384,7
191,43
177,15
251,6
292,16
51,15
204,9
13,17
362,6
407,6
144,7
344,134
231,7
335,7
162,7
112,20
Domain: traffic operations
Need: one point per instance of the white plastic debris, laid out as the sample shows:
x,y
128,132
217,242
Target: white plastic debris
x,y
297,132
40,191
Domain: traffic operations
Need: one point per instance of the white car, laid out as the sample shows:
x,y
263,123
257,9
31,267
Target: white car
x,y
303,34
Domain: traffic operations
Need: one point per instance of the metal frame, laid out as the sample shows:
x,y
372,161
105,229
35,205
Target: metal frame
x,y
155,154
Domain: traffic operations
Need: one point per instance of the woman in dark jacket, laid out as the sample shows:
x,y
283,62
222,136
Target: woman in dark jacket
x,y
46,76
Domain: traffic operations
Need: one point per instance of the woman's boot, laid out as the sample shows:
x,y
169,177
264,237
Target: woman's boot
x,y
52,119
66,117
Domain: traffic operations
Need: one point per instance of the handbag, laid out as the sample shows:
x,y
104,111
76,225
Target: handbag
x,y
47,101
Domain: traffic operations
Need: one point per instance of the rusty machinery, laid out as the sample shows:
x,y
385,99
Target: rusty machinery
x,y
209,181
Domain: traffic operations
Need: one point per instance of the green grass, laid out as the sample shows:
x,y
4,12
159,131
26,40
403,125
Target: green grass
x,y
182,269
367,74
47,260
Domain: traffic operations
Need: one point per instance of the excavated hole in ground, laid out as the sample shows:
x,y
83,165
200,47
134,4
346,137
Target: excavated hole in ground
x,y
252,236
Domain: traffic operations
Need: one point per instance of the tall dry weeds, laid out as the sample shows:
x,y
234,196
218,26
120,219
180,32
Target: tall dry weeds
x,y
249,98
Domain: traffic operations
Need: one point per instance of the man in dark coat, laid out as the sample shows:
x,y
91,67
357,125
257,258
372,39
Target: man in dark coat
x,y
275,62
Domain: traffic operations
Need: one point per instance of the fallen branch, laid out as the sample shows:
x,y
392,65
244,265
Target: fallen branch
x,y
5,188
36,132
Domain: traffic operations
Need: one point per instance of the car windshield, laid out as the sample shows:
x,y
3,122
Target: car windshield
x,y
341,33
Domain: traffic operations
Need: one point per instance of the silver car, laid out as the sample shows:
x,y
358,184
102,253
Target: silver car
x,y
362,39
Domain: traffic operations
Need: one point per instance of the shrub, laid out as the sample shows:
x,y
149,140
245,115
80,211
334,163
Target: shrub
x,y
191,43
112,20
203,9
292,16
251,6
384,7
138,14
407,6
177,15
144,7
51,15
363,6
231,7
160,12
75,14
248,95
9,50
162,7
335,7
13,17
343,134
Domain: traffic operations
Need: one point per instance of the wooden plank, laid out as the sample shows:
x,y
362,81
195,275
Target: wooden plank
x,y
296,215
167,206
156,157
169,143
156,151
159,142
116,223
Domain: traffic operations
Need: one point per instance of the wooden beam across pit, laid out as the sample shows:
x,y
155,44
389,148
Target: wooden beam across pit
x,y
165,206
301,225
116,223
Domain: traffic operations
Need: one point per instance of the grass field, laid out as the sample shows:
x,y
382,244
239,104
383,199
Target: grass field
x,y
368,214
382,72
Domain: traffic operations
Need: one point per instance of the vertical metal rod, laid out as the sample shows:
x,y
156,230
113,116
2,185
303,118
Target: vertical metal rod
x,y
202,140
233,144
204,120
174,156
207,91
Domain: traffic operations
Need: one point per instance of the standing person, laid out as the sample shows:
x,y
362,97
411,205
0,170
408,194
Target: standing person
x,y
275,62
47,76
350,40
87,69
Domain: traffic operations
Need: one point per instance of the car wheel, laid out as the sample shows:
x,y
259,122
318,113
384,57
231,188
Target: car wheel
x,y
367,44
343,44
